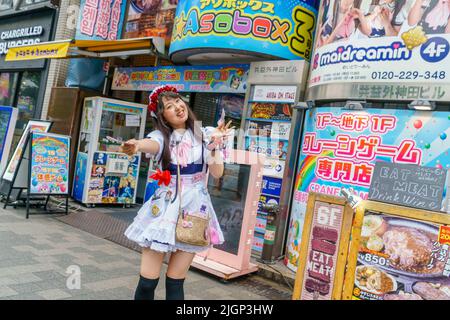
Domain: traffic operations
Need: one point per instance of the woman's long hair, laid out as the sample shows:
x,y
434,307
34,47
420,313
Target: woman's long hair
x,y
162,125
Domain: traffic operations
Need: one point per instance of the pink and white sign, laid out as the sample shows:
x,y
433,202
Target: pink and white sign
x,y
101,19
322,252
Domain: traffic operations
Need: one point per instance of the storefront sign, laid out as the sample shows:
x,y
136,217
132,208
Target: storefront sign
x,y
398,255
150,19
324,247
101,19
32,125
408,185
51,50
340,149
281,94
271,186
410,51
50,155
282,29
270,111
278,71
217,78
29,30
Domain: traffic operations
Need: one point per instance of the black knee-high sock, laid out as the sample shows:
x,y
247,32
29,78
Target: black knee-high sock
x,y
174,289
146,289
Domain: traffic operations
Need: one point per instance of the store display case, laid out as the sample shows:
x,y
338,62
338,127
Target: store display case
x,y
102,173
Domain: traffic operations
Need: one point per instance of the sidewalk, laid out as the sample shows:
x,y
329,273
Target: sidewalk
x,y
36,253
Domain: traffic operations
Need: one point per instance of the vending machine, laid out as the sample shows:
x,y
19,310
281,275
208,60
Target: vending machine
x,y
102,173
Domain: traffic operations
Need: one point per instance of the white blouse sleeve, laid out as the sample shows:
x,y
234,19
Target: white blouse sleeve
x,y
157,136
207,132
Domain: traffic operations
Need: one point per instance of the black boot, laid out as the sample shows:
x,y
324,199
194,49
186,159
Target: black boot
x,y
146,289
174,289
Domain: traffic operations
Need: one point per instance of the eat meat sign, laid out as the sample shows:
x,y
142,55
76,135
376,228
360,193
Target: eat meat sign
x,y
323,249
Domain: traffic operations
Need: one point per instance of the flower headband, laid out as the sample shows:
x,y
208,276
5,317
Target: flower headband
x,y
153,98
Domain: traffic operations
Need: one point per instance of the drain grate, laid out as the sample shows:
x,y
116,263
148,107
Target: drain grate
x,y
101,225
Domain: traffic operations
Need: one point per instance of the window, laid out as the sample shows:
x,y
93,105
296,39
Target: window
x,y
8,84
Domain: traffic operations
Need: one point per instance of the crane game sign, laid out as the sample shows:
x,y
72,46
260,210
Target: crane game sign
x,y
340,149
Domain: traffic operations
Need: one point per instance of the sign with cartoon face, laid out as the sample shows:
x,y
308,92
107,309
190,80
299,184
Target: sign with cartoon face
x,y
217,78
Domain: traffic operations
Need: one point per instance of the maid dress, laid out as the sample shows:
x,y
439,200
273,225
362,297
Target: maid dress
x,y
155,223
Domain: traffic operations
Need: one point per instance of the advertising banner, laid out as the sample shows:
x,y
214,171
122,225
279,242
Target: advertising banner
x,y
274,149
271,186
270,111
340,149
150,19
217,78
39,51
277,94
382,50
282,29
101,19
32,125
322,252
50,155
28,30
386,270
8,117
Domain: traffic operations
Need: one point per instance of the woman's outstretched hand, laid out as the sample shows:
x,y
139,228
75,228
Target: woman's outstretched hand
x,y
130,147
219,135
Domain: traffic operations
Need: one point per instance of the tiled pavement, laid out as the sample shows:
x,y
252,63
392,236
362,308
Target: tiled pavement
x,y
35,255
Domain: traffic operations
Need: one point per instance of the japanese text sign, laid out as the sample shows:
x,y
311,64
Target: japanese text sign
x,y
326,235
49,164
340,149
217,78
282,29
101,19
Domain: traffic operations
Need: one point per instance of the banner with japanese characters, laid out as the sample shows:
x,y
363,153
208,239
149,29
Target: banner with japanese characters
x,y
50,155
382,50
101,19
282,29
217,78
340,149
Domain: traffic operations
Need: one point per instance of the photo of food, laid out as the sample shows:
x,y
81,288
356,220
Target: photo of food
x,y
408,245
374,280
401,259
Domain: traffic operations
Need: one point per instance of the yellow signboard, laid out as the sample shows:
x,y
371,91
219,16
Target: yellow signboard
x,y
48,50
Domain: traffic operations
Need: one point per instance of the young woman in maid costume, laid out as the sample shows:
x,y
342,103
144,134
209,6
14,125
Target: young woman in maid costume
x,y
178,139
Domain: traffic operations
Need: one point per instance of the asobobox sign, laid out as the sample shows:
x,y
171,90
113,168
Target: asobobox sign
x,y
282,29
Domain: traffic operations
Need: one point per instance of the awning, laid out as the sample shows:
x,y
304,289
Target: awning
x,y
65,49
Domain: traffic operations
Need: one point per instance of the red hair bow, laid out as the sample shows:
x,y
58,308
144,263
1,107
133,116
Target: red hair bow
x,y
161,177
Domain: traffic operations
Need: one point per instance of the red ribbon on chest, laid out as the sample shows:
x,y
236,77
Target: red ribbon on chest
x,y
161,177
